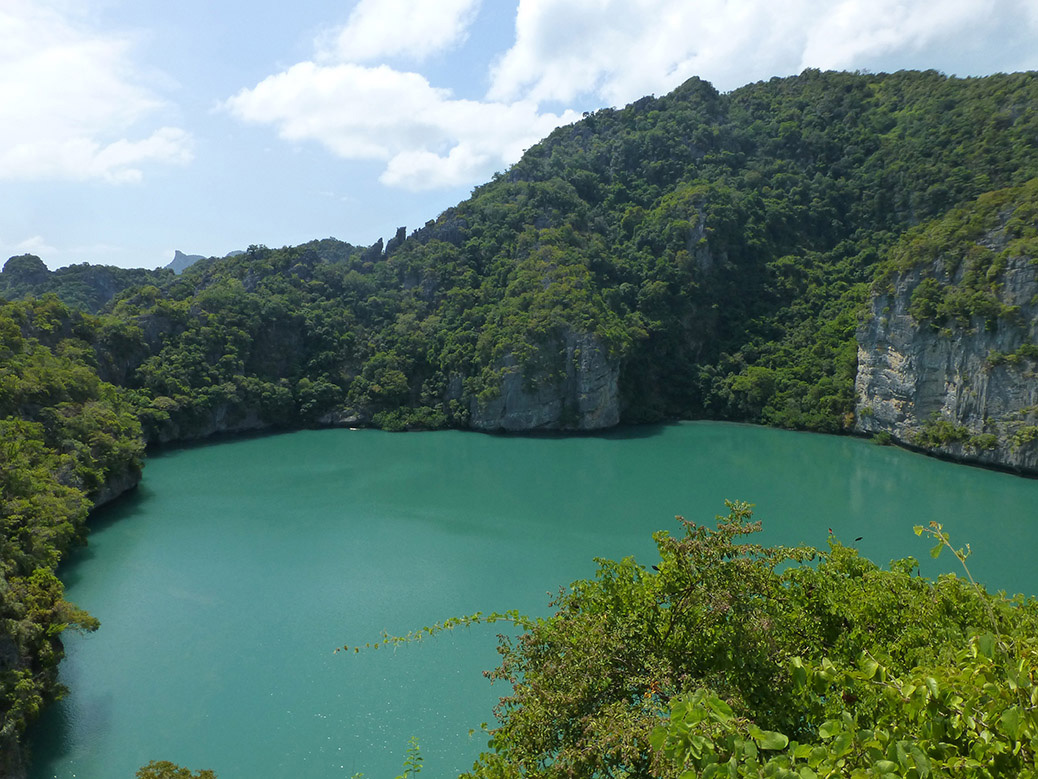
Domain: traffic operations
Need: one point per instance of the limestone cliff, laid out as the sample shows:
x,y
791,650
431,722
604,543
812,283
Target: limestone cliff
x,y
223,419
116,485
14,762
947,356
182,262
574,386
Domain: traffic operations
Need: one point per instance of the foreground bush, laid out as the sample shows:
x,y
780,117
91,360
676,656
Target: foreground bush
x,y
728,658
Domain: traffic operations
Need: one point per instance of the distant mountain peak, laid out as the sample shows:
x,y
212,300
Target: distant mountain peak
x,y
182,261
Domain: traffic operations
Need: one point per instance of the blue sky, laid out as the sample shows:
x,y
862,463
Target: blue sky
x,y
130,128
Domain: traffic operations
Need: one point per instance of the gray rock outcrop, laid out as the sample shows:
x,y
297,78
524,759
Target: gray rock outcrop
x,y
969,392
116,485
223,419
574,387
182,262
13,760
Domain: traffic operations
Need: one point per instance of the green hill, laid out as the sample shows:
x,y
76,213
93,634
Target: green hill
x,y
696,255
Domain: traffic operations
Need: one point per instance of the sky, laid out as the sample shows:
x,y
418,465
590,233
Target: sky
x,y
130,128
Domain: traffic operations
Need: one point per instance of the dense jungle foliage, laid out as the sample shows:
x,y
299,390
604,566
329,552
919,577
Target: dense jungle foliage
x,y
717,247
962,257
731,659
84,286
64,436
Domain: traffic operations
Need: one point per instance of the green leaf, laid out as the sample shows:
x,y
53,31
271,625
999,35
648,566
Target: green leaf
x,y
902,755
750,750
936,551
986,644
842,744
931,685
800,676
770,739
869,666
918,529
818,756
1010,720
829,728
720,708
922,764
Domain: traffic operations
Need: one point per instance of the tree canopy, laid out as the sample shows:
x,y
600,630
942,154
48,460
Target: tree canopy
x,y
727,658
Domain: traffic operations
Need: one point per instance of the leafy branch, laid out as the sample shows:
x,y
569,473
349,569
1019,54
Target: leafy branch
x,y
511,616
936,529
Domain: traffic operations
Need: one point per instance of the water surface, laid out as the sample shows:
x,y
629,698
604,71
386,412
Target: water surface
x,y
226,581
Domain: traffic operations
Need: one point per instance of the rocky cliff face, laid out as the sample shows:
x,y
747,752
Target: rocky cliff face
x,y
182,262
947,360
224,419
13,760
116,485
574,387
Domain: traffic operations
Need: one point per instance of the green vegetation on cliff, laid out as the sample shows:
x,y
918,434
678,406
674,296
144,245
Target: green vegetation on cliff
x,y
87,287
949,340
963,257
742,228
717,247
64,436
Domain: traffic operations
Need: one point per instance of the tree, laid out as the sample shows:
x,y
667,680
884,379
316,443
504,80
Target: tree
x,y
768,661
163,769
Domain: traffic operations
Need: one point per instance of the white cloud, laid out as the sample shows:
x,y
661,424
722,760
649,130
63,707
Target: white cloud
x,y
622,49
415,29
427,138
618,50
858,29
1030,9
34,245
82,158
72,99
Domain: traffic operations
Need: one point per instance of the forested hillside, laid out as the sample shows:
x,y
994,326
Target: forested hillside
x,y
67,442
706,254
87,287
694,255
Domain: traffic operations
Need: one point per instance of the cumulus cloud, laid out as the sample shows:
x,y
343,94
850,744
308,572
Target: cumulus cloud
x,y
81,157
34,245
618,50
426,137
855,30
378,29
73,101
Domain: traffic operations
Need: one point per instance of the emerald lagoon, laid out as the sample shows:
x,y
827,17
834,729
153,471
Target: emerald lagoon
x,y
227,580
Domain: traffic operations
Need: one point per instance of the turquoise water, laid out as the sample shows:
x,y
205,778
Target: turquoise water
x,y
226,581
